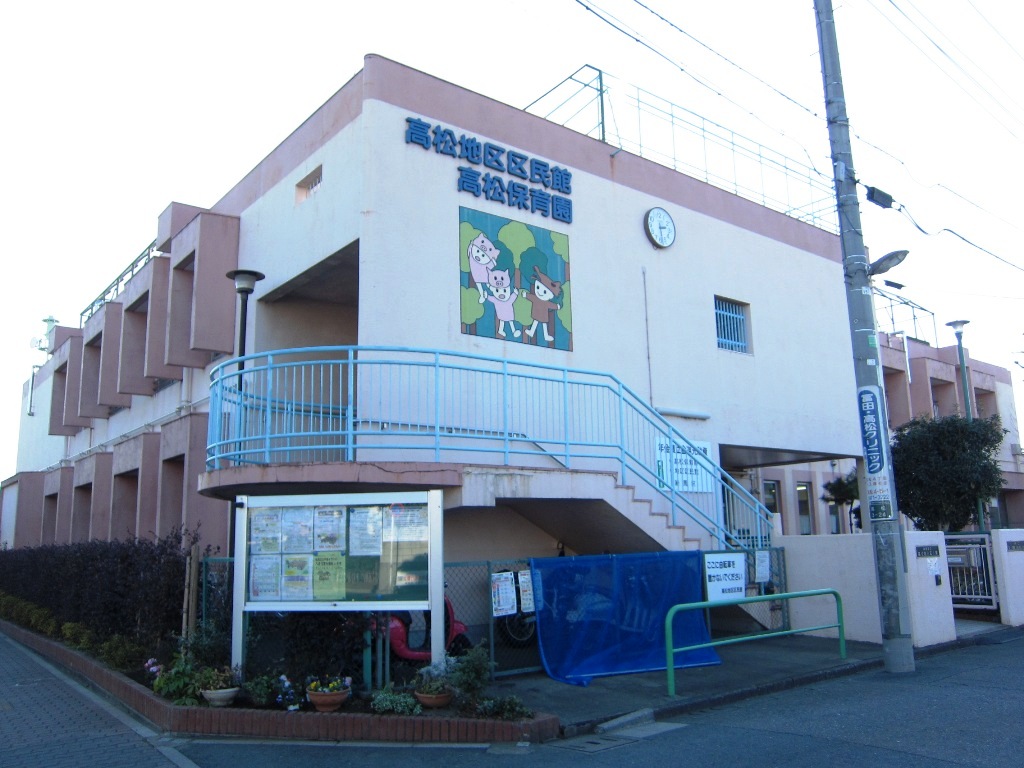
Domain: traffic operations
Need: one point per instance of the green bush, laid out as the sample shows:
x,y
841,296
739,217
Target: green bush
x,y
129,588
389,701
471,674
78,635
261,690
180,682
504,708
122,653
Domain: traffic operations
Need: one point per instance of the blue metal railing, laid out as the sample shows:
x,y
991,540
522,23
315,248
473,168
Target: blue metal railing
x,y
341,404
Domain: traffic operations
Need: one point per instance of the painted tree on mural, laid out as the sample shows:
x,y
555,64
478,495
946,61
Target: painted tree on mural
x,y
518,238
942,467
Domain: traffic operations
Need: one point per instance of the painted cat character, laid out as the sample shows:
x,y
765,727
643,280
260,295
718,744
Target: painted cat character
x,y
483,256
503,296
544,290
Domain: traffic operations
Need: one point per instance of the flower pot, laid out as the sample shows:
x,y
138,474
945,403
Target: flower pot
x,y
327,701
220,697
433,700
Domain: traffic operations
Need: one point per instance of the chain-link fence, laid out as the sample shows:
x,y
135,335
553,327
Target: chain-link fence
x,y
511,638
766,578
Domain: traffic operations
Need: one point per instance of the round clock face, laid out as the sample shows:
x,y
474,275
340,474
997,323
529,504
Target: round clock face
x,y
661,230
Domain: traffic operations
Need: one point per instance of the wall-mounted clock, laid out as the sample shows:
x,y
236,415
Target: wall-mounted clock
x,y
660,228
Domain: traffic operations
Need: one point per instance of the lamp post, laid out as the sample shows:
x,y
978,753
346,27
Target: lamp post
x,y
878,489
245,284
958,329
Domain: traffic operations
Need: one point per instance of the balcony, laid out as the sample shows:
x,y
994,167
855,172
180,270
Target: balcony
x,y
375,405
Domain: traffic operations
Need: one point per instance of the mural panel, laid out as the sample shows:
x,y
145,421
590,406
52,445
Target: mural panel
x,y
515,284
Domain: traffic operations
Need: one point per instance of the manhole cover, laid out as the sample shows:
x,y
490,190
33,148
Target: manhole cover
x,y
593,743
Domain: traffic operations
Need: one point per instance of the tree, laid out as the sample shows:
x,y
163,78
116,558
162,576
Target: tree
x,y
943,466
843,492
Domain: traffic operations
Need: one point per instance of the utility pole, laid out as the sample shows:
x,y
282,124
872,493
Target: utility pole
x,y
877,487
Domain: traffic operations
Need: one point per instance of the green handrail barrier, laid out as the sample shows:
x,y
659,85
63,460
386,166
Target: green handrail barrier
x,y
671,650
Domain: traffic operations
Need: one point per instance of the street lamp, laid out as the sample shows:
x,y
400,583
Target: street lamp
x,y
958,329
245,284
887,262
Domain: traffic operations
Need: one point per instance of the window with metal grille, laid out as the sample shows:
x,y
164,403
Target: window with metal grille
x,y
731,324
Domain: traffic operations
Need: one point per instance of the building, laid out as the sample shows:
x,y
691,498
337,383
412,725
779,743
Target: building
x,y
924,381
587,351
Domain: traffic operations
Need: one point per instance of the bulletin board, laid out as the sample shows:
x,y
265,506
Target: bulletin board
x,y
330,552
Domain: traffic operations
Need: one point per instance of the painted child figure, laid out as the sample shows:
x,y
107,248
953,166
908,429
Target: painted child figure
x,y
483,256
544,290
503,296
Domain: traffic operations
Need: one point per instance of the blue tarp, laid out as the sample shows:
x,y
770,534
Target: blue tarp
x,y
605,615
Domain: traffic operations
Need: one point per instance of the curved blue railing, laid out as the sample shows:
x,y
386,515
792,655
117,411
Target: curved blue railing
x,y
342,404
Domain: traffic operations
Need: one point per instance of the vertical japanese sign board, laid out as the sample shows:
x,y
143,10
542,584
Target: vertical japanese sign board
x,y
871,413
337,552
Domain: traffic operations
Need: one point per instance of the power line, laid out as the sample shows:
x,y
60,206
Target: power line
x,y
903,209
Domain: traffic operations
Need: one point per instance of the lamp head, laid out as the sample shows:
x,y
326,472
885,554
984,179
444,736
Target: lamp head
x,y
245,279
887,262
958,326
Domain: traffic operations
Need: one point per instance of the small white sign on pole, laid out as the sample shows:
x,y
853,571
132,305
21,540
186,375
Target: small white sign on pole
x,y
725,575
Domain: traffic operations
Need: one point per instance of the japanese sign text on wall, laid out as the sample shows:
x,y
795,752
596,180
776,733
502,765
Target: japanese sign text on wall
x,y
498,174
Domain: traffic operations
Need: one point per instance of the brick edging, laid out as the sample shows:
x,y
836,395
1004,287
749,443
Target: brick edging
x,y
276,724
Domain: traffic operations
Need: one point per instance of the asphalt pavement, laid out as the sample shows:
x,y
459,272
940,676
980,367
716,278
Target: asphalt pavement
x,y
47,718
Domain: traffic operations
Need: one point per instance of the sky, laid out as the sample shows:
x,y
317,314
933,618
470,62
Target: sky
x,y
114,109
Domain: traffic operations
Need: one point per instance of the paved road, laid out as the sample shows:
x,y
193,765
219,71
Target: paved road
x,y
961,708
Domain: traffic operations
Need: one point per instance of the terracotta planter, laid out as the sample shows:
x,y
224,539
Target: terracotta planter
x,y
433,700
220,697
327,701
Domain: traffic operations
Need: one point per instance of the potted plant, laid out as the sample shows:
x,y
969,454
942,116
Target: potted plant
x,y
219,686
432,686
327,694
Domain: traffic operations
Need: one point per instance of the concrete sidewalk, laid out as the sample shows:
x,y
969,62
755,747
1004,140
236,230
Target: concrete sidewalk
x,y
47,719
748,669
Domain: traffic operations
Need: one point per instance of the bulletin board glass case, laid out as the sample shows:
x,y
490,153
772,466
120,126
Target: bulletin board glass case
x,y
331,552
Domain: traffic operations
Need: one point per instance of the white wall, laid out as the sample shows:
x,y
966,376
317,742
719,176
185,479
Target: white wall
x,y
647,316
847,564
8,514
931,603
1009,575
36,447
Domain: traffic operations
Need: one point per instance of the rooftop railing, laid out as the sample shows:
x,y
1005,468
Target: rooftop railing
x,y
346,404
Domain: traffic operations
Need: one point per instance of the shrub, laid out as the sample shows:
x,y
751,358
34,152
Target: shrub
x,y
389,701
179,682
261,690
121,653
504,708
471,674
129,588
78,635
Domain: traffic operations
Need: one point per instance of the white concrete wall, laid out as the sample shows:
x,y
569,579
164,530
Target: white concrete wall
x,y
931,603
36,447
646,316
843,563
1009,575
847,564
